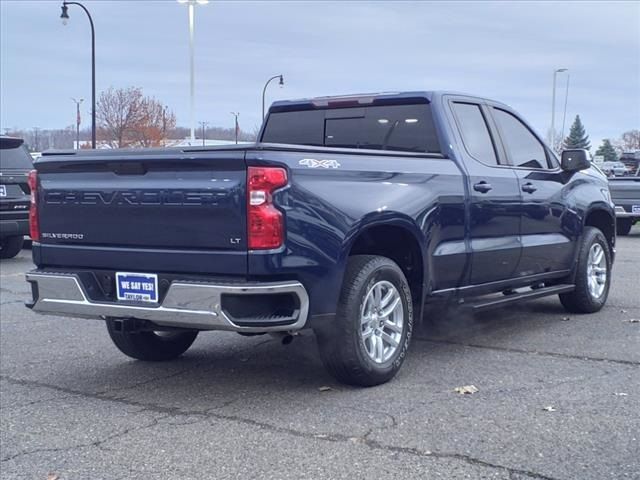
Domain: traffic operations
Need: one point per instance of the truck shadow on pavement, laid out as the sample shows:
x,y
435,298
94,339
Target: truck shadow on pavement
x,y
222,366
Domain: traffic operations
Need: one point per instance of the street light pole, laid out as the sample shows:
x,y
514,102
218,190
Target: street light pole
x,y
78,102
65,17
36,146
203,125
192,83
264,90
552,135
566,99
236,127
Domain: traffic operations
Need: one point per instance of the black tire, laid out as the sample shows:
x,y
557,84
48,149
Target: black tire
x,y
11,246
342,347
623,226
151,346
581,300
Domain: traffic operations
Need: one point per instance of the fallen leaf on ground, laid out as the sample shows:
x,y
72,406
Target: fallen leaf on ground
x,y
466,390
53,476
566,319
623,311
549,408
324,389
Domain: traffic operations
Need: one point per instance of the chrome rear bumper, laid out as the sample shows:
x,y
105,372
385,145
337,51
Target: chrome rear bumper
x,y
193,305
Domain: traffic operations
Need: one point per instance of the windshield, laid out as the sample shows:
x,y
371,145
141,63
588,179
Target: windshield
x,y
15,158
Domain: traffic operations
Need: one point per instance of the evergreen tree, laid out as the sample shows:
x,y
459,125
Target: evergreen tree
x,y
578,137
607,151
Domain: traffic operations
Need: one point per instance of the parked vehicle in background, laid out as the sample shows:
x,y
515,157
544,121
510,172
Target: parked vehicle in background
x,y
625,194
631,160
348,216
613,169
15,164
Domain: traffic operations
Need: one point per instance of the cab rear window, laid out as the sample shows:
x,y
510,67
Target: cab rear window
x,y
405,128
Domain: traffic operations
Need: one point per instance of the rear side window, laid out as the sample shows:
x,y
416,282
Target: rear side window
x,y
406,128
525,150
475,133
17,158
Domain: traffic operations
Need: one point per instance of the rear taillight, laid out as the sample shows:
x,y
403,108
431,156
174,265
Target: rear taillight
x,y
265,225
34,226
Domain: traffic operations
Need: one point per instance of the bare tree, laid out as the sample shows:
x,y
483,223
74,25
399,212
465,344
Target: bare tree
x,y
156,121
129,119
118,112
631,140
558,141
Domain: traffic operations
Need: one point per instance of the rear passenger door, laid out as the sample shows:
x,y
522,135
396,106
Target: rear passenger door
x,y
495,196
546,247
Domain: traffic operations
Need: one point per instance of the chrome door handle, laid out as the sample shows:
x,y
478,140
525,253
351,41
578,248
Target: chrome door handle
x,y
482,187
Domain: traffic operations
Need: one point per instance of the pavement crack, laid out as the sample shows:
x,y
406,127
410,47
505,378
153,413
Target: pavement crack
x,y
455,456
150,380
532,352
96,443
210,415
9,302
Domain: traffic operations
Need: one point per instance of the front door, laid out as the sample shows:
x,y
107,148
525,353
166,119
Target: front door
x,y
546,247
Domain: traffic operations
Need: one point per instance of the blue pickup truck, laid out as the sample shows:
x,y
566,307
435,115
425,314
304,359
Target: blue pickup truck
x,y
346,217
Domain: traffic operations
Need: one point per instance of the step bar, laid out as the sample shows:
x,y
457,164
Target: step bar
x,y
482,304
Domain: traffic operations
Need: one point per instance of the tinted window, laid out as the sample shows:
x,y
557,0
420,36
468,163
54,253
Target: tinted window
x,y
15,158
406,128
525,150
298,128
475,133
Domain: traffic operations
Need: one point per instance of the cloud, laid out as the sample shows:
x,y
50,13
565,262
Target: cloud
x,y
503,50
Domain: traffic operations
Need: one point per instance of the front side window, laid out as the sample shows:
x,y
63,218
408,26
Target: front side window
x,y
525,150
475,133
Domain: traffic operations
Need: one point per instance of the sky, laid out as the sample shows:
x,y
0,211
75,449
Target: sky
x,y
505,50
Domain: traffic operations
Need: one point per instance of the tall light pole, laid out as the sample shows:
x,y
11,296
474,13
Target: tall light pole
x,y
77,102
192,115
552,136
236,127
204,126
566,99
65,18
37,145
264,90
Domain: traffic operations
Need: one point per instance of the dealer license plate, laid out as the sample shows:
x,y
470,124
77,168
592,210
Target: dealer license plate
x,y
137,287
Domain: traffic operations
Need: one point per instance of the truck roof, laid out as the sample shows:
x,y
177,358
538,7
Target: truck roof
x,y
362,99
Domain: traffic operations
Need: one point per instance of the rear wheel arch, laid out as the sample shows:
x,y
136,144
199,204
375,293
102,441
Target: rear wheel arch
x,y
399,242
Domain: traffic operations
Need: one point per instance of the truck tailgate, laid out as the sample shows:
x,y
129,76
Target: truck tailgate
x,y
137,204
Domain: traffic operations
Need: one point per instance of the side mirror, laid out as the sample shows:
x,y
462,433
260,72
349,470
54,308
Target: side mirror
x,y
575,160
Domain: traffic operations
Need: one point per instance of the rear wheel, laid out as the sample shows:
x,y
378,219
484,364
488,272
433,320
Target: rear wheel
x,y
593,274
11,246
623,226
148,345
369,339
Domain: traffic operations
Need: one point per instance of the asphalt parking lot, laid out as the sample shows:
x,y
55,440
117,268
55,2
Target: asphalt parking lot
x,y
559,398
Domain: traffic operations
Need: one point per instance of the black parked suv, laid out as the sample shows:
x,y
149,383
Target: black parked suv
x,y
15,164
